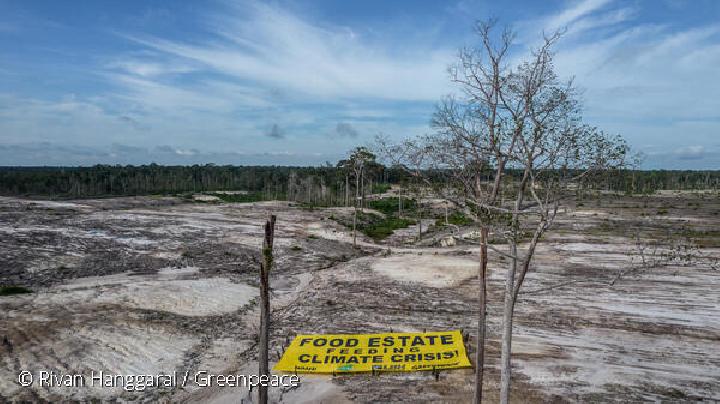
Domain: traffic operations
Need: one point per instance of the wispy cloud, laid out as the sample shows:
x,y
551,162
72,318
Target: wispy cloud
x,y
49,153
653,83
573,14
262,43
252,75
691,152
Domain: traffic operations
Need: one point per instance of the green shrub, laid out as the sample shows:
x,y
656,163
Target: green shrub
x,y
389,206
380,188
13,290
457,218
381,229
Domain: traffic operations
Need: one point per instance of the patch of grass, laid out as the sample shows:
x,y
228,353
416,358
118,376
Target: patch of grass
x,y
13,290
376,226
380,188
389,206
381,229
296,248
457,218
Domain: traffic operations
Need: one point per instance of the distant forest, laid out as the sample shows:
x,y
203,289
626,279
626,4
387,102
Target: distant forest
x,y
317,185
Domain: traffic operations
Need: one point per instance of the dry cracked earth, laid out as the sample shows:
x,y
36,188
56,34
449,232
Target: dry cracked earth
x,y
147,285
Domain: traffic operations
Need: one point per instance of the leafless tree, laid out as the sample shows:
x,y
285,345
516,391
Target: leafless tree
x,y
655,247
357,164
515,132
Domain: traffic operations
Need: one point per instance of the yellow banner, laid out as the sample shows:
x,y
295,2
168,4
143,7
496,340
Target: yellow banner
x,y
394,352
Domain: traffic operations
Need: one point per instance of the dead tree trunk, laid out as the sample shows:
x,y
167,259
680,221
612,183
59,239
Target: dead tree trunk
x,y
400,207
419,220
265,267
509,307
357,188
482,296
347,190
362,191
446,213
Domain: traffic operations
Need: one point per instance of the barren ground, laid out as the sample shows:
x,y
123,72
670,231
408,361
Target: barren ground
x,y
147,285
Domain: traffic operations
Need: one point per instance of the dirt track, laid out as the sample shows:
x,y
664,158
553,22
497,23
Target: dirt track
x,y
143,285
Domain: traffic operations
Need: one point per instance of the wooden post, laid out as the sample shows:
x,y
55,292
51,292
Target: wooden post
x,y
265,267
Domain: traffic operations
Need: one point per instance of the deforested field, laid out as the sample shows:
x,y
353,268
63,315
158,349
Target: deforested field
x,y
157,284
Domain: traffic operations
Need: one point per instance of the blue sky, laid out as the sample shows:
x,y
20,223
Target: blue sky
x,y
290,82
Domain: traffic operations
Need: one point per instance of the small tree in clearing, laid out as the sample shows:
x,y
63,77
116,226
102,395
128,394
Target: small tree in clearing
x,y
357,163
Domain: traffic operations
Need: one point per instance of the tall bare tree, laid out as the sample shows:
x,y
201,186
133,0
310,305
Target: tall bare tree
x,y
357,163
514,132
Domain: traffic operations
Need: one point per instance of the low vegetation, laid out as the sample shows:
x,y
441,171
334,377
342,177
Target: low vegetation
x,y
375,226
456,218
391,206
13,290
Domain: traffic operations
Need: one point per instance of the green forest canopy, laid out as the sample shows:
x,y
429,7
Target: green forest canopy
x,y
310,184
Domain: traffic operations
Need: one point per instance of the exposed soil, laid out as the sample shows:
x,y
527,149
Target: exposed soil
x,y
148,285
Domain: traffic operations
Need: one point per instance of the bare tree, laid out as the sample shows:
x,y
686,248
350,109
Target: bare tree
x,y
520,124
655,246
357,164
413,157
470,136
549,149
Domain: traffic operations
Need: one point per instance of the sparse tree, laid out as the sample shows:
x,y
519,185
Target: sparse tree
x,y
357,163
520,124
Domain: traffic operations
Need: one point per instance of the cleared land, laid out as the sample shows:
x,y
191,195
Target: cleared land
x,y
147,285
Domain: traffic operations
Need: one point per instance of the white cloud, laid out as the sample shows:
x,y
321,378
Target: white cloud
x,y
652,83
144,68
265,44
572,14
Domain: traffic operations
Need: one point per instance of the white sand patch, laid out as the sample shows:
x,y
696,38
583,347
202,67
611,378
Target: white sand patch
x,y
222,356
432,270
196,297
205,198
162,292
178,271
126,350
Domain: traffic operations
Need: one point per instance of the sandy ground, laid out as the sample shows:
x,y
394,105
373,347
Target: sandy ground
x,y
147,285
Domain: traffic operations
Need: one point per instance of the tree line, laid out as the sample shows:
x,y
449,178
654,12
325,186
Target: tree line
x,y
326,185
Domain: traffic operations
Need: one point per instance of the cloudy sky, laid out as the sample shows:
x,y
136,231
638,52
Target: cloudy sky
x,y
290,82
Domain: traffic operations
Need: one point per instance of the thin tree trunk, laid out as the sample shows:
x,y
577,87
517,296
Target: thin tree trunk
x,y
446,213
400,207
347,190
362,191
265,267
509,305
419,219
482,298
357,189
